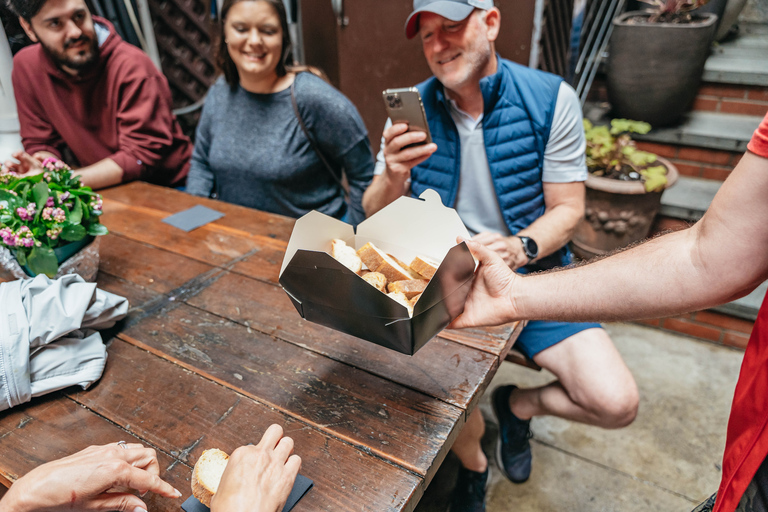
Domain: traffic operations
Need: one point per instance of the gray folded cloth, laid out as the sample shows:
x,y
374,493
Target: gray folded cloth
x,y
48,337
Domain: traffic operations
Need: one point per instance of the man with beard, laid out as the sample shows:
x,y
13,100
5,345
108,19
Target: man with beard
x,y
85,90
509,157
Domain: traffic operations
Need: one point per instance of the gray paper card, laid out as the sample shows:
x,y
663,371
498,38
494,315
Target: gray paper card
x,y
193,218
300,488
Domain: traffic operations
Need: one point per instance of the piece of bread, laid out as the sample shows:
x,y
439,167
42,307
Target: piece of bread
x,y
207,475
409,288
414,300
410,271
346,255
377,280
375,259
402,299
426,267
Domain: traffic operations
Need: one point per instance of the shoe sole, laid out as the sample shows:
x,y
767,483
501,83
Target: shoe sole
x,y
499,464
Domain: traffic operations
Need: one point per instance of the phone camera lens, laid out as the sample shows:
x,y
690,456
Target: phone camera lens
x,y
394,101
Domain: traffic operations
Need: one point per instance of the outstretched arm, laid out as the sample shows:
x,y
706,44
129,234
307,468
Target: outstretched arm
x,y
722,257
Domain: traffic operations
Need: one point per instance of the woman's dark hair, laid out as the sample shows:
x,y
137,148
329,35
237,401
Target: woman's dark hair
x,y
27,9
225,62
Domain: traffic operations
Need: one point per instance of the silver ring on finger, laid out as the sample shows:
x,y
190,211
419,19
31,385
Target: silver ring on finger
x,y
121,444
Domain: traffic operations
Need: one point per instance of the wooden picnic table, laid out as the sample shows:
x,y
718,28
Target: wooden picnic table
x,y
213,352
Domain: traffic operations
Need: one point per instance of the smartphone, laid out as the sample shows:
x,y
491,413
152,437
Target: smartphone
x,y
405,106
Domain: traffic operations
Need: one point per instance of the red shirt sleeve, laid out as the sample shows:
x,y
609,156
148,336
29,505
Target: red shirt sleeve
x,y
37,133
145,125
759,143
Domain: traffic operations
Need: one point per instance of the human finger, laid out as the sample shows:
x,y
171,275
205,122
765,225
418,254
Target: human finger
x,y
394,130
401,142
485,238
118,501
413,163
293,465
271,437
480,251
141,480
284,449
403,155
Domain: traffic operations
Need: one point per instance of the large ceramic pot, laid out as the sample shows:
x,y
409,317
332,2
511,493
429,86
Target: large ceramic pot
x,y
654,69
617,213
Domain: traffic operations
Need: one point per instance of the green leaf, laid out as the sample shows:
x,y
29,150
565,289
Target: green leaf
x,y
72,232
655,178
97,230
42,260
76,215
40,195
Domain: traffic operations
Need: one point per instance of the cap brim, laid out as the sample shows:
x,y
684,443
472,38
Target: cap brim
x,y
454,11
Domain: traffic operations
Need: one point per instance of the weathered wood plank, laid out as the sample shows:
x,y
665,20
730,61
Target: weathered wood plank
x,y
135,294
203,244
263,265
53,427
443,369
183,414
239,219
495,340
404,426
147,266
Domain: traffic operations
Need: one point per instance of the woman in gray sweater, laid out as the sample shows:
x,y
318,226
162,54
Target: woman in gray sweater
x,y
250,148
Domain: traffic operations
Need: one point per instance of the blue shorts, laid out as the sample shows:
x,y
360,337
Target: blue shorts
x,y
538,335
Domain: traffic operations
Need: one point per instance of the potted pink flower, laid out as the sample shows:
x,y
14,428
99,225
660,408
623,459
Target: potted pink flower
x,y
48,217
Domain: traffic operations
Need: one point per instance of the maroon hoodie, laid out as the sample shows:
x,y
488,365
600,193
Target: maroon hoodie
x,y
121,109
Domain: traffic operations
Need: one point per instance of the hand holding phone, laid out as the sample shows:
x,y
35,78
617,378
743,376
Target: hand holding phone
x,y
405,106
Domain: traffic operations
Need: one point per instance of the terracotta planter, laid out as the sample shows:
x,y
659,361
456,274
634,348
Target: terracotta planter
x,y
654,70
617,214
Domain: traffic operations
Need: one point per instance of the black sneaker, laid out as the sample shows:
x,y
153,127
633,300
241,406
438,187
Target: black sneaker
x,y
469,493
513,451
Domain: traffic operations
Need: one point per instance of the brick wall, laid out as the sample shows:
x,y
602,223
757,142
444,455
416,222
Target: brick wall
x,y
708,326
699,163
732,99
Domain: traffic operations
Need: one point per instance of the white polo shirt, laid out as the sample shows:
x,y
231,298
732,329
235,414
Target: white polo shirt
x,y
476,201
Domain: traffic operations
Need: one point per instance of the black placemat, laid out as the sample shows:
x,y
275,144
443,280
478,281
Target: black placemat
x,y
300,488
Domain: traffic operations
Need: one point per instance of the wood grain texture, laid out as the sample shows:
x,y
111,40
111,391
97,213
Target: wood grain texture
x,y
394,422
53,427
184,414
443,369
156,270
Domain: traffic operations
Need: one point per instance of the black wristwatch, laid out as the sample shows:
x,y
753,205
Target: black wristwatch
x,y
530,247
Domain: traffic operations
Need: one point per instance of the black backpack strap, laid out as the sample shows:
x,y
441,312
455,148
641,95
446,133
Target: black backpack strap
x,y
320,155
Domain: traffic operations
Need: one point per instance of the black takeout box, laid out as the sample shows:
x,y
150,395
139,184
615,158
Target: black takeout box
x,y
326,292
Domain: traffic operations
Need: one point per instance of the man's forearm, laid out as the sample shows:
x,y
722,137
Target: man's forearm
x,y
383,190
102,174
554,229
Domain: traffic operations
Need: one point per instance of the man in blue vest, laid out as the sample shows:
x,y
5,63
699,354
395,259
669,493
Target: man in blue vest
x,y
508,155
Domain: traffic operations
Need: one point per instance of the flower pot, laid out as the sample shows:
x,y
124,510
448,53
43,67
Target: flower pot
x,y
64,252
654,70
617,213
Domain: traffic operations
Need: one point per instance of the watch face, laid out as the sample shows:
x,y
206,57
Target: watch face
x,y
530,247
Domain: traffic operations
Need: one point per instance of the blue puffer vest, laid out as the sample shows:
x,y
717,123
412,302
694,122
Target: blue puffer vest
x,y
519,104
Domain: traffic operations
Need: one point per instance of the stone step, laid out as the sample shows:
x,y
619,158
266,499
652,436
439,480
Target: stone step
x,y
740,61
689,198
709,130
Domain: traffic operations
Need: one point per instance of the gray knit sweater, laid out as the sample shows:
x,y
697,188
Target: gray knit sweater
x,y
251,150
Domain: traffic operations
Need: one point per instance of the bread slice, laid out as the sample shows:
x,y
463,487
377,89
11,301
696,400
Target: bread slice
x,y
426,267
375,259
414,300
207,475
346,255
377,280
409,288
402,299
410,271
